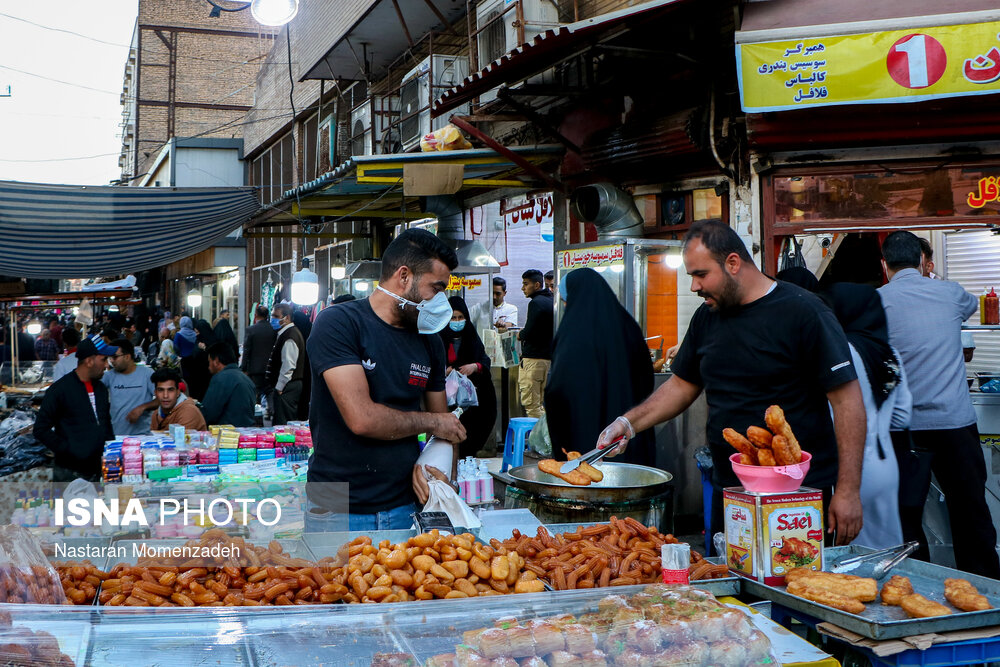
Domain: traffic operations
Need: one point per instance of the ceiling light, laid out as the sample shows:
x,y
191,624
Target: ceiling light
x,y
34,327
674,259
305,286
194,298
338,272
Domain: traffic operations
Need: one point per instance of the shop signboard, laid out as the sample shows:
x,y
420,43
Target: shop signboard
x,y
594,258
870,68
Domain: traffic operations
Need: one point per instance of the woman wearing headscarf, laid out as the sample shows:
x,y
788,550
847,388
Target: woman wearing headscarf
x,y
467,355
224,334
600,368
887,399
186,339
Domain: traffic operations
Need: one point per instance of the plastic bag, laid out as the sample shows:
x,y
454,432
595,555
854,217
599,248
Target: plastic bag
x,y
460,390
539,439
27,575
448,138
442,498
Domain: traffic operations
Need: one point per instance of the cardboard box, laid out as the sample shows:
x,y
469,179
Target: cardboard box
x,y
768,534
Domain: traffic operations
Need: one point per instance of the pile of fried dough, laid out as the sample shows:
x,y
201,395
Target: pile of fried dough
x,y
762,447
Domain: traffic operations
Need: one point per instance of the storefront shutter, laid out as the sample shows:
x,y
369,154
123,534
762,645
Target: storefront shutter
x,y
973,260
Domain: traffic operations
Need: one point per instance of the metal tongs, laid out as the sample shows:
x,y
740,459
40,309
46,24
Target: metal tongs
x,y
888,559
593,456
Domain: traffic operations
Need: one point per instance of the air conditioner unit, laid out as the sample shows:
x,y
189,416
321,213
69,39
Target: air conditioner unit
x,y
502,36
419,91
365,119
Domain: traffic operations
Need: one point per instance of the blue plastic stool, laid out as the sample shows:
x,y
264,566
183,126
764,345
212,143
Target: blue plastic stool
x,y
513,444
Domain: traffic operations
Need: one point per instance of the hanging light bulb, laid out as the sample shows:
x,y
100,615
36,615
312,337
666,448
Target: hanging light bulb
x,y
617,268
274,12
34,327
674,259
361,286
194,299
338,272
305,285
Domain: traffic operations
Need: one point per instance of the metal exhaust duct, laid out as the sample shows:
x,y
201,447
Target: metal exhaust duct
x,y
473,258
612,210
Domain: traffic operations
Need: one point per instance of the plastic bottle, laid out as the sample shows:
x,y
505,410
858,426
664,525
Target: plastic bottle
x,y
992,305
982,307
463,480
473,472
485,483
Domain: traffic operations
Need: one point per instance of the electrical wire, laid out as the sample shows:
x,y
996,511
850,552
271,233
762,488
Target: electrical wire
x,y
65,83
63,159
68,32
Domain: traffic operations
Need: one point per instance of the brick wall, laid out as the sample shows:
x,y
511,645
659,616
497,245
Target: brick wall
x,y
216,61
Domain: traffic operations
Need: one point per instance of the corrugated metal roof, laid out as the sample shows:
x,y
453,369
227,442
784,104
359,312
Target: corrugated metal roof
x,y
343,176
544,51
74,231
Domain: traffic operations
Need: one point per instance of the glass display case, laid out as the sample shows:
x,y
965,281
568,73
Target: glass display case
x,y
643,275
29,376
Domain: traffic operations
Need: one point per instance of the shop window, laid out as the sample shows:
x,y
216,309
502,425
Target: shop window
x,y
674,212
929,192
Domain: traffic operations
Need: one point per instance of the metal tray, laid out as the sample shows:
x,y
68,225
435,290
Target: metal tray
x,y
890,622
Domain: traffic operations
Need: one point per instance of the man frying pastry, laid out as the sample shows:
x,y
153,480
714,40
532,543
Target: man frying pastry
x,y
757,342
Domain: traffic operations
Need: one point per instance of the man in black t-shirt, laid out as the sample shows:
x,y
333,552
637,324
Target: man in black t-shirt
x,y
378,379
757,342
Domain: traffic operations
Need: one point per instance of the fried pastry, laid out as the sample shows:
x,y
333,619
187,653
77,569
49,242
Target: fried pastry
x,y
740,443
575,477
963,595
842,602
861,589
917,606
759,437
587,469
894,590
766,457
775,418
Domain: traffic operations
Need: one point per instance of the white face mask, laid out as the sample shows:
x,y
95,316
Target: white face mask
x,y
432,314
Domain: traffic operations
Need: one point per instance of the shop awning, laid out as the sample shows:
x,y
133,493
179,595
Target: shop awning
x,y
393,26
371,186
72,231
547,50
800,54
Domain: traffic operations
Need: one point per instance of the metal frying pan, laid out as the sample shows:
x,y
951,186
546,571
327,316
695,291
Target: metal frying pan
x,y
622,482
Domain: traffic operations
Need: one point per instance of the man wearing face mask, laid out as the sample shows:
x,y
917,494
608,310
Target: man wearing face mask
x,y
287,367
757,342
378,376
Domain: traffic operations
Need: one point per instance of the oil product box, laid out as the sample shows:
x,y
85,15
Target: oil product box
x,y
768,534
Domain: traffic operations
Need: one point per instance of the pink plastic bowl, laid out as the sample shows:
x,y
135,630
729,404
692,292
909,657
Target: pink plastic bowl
x,y
771,479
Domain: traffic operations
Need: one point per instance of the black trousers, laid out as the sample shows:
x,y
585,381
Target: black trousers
x,y
286,404
955,457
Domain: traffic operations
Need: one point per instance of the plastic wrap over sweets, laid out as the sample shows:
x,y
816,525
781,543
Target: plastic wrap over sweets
x,y
25,573
658,626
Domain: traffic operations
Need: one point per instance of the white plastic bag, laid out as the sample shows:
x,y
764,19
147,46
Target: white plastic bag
x,y
442,498
460,390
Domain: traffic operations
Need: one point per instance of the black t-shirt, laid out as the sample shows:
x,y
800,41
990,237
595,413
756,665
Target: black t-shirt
x,y
786,349
400,366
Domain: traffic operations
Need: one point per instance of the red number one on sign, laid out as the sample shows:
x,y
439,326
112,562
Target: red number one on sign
x,y
916,61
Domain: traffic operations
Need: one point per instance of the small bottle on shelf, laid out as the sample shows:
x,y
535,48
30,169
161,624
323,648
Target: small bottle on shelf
x,y
992,306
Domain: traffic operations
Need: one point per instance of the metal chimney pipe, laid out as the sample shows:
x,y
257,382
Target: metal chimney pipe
x,y
451,221
612,210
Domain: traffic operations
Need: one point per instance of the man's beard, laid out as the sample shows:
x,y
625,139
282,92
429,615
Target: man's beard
x,y
728,298
409,313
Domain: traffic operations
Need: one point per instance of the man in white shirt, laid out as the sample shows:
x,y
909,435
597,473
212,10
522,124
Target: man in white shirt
x,y
501,316
287,368
66,365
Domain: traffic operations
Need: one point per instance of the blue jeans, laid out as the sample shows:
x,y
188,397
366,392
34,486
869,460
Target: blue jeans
x,y
324,521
